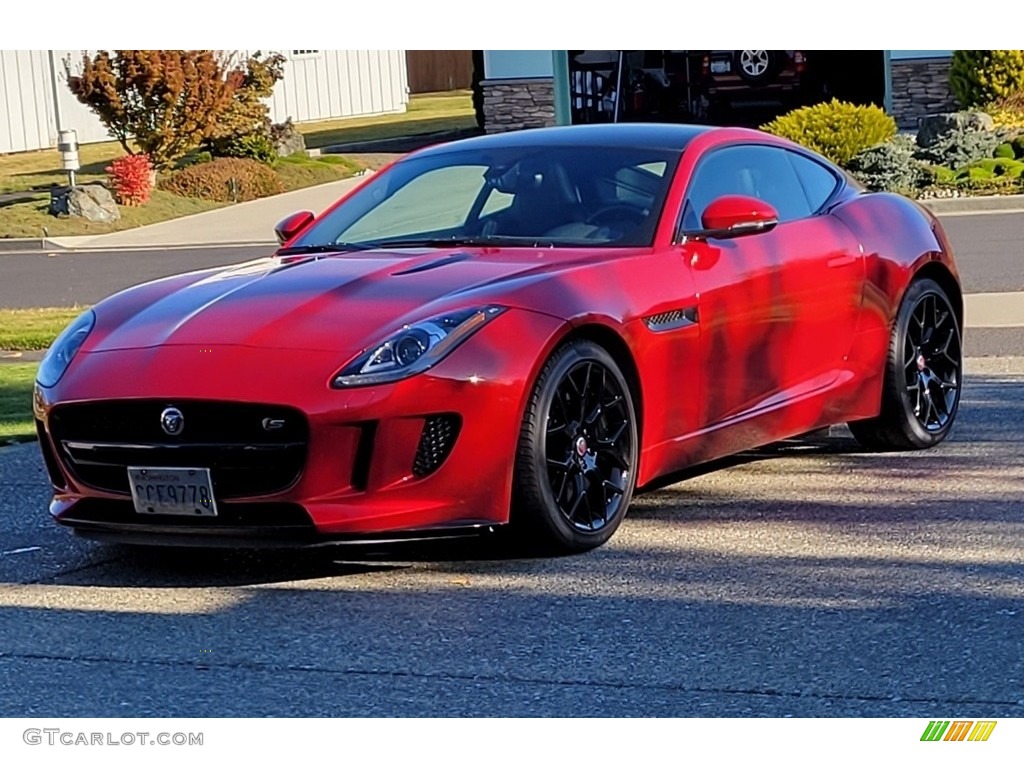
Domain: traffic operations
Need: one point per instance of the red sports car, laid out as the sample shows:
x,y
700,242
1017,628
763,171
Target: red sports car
x,y
514,329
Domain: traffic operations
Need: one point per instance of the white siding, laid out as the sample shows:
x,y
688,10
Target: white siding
x,y
25,100
330,84
72,112
324,85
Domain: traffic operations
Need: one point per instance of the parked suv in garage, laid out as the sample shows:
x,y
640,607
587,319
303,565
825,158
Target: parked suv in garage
x,y
752,73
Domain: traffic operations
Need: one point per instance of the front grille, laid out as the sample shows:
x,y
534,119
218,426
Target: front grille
x,y
436,443
251,450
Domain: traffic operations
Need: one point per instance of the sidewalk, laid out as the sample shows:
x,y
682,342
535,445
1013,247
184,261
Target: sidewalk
x,y
244,223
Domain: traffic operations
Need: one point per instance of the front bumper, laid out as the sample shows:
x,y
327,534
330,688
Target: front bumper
x,y
430,455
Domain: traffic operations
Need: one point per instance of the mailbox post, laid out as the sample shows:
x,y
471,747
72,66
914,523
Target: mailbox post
x,y
67,145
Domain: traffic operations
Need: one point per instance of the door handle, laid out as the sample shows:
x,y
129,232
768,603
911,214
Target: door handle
x,y
841,261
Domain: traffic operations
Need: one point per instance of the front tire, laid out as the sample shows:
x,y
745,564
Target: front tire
x,y
923,375
575,467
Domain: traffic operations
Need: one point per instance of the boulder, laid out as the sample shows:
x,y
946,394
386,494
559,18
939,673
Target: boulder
x,y
92,202
287,140
932,129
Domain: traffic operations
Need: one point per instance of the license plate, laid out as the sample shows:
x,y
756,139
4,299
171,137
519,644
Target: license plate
x,y
172,491
719,67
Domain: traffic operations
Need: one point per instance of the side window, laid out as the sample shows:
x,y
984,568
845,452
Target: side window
x,y
818,181
761,172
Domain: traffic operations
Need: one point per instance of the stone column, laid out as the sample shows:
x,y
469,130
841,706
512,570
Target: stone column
x,y
510,105
920,87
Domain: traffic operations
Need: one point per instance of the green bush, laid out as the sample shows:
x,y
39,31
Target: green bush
x,y
940,175
1018,147
194,158
1004,150
1008,111
890,167
960,147
254,146
298,170
981,77
835,129
226,180
992,168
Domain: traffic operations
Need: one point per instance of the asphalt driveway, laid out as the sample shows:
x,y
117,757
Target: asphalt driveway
x,y
806,579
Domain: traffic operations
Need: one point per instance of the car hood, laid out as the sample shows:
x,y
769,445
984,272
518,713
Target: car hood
x,y
336,303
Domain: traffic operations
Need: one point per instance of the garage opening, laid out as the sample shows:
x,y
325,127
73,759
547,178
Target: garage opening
x,y
747,87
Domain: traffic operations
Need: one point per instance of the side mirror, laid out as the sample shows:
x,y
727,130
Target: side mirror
x,y
289,227
735,216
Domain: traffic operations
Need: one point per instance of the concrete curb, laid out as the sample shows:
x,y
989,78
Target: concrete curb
x,y
986,204
69,245
23,244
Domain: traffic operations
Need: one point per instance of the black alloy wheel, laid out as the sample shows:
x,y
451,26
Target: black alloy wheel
x,y
924,374
931,362
577,456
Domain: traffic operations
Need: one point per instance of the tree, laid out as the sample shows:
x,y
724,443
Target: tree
x,y
248,113
978,78
169,102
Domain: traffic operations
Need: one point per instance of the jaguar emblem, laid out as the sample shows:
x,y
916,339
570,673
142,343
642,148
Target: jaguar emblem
x,y
172,421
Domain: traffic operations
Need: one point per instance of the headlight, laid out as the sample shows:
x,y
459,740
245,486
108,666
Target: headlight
x,y
415,348
60,354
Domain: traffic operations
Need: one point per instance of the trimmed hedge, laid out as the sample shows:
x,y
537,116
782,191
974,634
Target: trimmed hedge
x,y
836,129
225,180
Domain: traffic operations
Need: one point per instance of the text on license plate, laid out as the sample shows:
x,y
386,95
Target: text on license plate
x,y
172,491
719,67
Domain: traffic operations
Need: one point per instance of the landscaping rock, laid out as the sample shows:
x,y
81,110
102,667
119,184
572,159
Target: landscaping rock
x,y
934,128
92,202
287,140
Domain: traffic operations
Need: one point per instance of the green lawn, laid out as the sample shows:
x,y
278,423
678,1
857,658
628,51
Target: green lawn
x,y
300,171
31,219
40,170
427,113
22,330
16,401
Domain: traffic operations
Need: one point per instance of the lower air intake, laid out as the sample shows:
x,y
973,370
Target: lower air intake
x,y
436,443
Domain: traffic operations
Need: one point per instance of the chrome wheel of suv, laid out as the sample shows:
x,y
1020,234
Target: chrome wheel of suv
x,y
754,63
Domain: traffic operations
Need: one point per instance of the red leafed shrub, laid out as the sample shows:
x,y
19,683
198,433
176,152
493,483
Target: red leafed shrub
x,y
130,176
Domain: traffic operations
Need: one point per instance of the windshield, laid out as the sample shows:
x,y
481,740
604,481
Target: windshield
x,y
549,196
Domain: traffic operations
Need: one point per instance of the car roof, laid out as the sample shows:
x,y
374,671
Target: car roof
x,y
652,135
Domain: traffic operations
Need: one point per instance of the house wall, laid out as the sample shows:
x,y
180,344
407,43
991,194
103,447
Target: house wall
x,y
25,109
318,85
35,102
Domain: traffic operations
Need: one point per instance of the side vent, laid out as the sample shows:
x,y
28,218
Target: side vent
x,y
671,320
436,443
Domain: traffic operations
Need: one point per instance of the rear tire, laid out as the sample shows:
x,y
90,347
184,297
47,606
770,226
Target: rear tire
x,y
575,467
923,374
